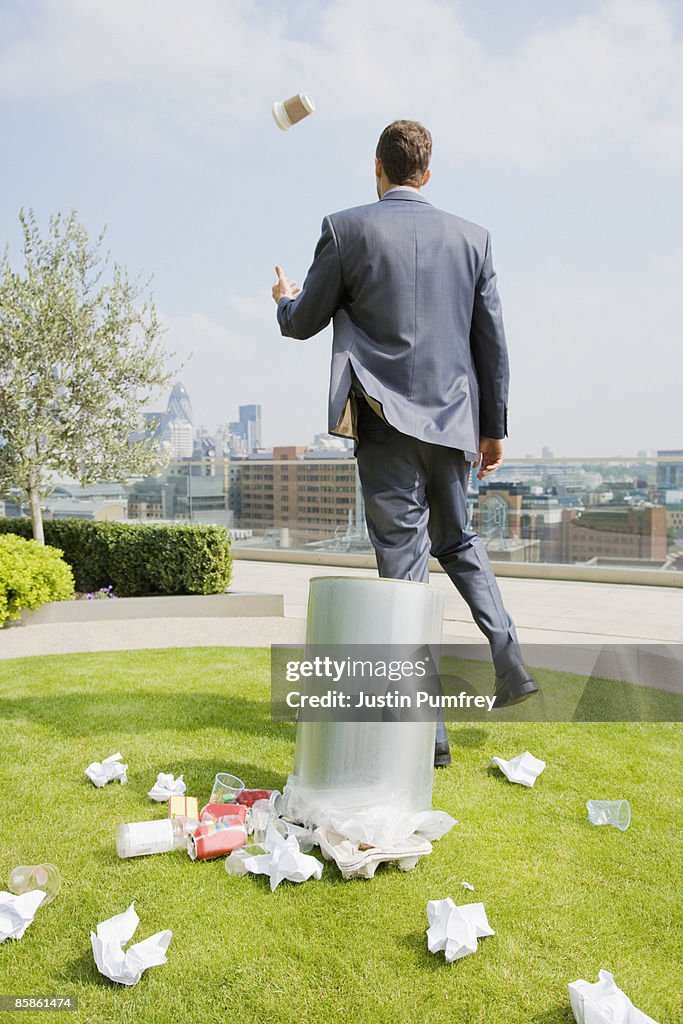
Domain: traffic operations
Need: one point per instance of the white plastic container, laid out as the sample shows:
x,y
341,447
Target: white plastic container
x,y
139,838
388,765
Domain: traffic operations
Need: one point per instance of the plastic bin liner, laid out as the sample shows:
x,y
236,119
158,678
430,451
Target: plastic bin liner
x,y
371,816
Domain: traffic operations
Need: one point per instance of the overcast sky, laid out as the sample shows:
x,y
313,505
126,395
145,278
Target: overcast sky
x,y
557,125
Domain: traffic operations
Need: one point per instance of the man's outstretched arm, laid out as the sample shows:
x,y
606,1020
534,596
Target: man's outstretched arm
x,y
302,313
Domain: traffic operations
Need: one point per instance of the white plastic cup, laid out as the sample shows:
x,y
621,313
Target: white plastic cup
x,y
609,812
289,112
28,877
140,838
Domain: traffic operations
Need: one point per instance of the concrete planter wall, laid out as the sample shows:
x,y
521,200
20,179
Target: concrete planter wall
x,y
203,606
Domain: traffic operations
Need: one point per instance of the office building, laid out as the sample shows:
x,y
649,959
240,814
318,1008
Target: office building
x,y
314,499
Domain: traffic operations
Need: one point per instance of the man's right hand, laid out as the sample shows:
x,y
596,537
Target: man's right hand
x,y
490,456
283,288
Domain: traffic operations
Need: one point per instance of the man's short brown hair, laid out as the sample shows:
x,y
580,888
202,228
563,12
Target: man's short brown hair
x,y
405,149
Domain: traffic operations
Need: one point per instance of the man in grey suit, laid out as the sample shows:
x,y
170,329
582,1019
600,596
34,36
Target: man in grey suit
x,y
419,378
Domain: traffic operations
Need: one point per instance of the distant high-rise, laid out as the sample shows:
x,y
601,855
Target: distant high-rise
x,y
179,405
670,473
177,432
246,432
178,438
250,421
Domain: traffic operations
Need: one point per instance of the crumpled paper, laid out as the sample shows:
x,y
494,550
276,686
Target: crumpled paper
x,y
455,930
283,860
107,771
166,786
466,885
107,946
524,769
17,912
603,1003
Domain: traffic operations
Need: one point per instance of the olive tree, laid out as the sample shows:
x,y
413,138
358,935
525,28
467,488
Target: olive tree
x,y
80,356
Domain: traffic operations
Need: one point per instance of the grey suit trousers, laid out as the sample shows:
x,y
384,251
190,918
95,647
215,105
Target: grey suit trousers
x,y
415,496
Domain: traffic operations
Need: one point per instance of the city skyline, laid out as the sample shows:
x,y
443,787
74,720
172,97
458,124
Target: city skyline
x,y
628,515
202,426
558,130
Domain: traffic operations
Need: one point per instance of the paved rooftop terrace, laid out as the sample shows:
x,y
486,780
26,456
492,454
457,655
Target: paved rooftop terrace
x,y
545,611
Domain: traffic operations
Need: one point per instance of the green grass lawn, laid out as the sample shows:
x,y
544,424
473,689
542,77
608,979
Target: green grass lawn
x,y
564,898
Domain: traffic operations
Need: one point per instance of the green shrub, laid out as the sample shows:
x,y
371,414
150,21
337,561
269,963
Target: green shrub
x,y
139,558
31,574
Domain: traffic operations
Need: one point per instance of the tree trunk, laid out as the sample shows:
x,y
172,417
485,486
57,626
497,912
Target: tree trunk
x,y
36,515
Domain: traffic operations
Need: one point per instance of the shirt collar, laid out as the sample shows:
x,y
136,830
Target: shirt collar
x,y
400,188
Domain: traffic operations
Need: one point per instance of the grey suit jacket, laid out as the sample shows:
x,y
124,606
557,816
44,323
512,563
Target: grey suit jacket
x,y
417,319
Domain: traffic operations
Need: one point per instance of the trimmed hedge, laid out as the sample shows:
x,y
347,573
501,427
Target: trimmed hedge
x,y
31,574
136,558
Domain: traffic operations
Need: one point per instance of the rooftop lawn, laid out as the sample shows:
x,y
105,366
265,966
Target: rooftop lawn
x,y
565,898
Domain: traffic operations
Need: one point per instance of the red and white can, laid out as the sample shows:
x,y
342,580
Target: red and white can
x,y
216,838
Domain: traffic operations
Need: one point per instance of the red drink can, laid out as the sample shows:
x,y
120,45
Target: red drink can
x,y
216,838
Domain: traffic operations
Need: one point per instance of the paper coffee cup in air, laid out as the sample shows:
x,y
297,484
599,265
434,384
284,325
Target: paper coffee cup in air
x,y
295,109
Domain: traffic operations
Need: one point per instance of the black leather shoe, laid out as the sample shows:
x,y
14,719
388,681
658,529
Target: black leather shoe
x,y
442,755
514,686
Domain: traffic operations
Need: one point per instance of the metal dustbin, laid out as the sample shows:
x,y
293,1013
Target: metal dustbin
x,y
382,762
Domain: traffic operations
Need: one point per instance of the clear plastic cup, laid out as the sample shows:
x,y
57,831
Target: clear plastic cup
x,y
263,814
226,789
304,836
28,877
609,812
234,862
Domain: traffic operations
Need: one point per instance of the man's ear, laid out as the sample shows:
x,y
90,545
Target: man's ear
x,y
427,176
378,167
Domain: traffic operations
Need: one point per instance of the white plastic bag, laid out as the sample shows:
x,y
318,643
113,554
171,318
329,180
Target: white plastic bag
x,y
368,815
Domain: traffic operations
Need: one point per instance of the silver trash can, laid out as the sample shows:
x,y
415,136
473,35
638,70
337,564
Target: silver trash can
x,y
353,765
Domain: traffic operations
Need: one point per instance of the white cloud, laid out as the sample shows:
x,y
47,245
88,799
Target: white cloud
x,y
198,331
258,308
608,78
224,366
591,358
